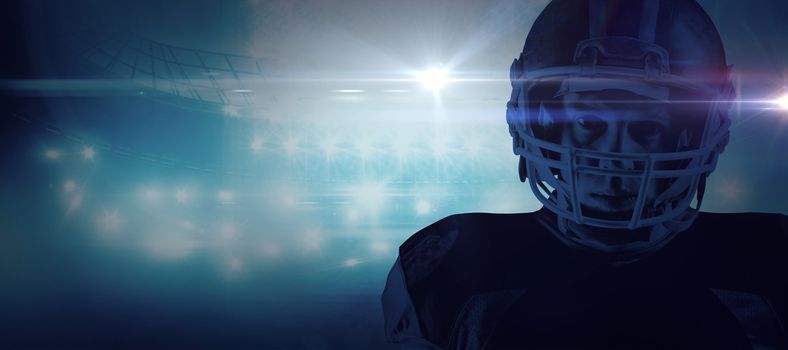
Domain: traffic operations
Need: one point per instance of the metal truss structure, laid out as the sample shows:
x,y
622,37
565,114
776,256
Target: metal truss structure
x,y
204,76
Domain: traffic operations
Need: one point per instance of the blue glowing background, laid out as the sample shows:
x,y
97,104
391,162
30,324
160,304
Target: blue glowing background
x,y
221,174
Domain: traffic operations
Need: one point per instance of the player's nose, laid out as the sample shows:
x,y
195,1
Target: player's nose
x,y
617,140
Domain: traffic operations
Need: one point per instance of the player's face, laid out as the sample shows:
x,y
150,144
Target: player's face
x,y
618,122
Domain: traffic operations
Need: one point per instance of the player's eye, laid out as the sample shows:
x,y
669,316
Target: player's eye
x,y
590,123
645,129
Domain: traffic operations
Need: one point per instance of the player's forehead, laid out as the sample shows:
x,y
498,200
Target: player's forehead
x,y
613,100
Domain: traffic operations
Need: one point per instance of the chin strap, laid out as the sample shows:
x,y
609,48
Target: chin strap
x,y
522,169
682,222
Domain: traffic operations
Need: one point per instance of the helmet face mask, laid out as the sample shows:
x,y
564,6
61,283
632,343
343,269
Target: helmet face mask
x,y
622,159
623,122
615,136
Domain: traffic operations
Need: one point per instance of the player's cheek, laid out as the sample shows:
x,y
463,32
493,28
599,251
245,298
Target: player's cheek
x,y
580,137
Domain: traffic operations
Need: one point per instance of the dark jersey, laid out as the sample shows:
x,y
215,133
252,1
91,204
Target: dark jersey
x,y
473,281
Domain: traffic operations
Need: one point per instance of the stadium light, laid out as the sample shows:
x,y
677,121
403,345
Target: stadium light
x,y
352,262
257,145
52,154
182,195
434,79
423,207
88,153
225,197
69,186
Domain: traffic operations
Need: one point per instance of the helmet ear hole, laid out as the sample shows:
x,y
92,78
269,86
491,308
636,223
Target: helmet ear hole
x,y
522,169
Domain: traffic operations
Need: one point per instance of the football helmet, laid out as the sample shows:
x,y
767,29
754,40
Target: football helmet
x,y
666,51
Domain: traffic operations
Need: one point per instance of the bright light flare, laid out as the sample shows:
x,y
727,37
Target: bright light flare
x,y
226,197
423,207
365,148
289,199
88,153
370,196
228,232
70,186
472,145
401,146
329,146
782,102
151,194
235,264
353,216
731,190
283,196
439,146
75,203
52,154
290,146
349,91
187,225
378,247
109,221
182,196
352,262
168,245
257,145
312,241
270,250
434,79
